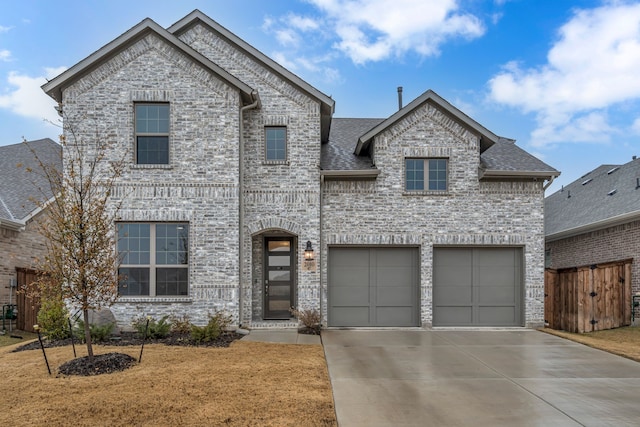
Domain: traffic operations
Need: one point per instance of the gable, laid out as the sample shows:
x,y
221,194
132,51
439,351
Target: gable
x,y
56,86
237,56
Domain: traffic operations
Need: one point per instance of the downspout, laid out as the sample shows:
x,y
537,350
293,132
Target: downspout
x,y
255,104
321,250
551,179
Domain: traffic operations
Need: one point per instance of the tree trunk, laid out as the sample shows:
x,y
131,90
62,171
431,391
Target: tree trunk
x,y
87,334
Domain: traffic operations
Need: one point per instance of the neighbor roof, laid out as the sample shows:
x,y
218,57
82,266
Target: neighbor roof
x,y
19,188
55,86
608,195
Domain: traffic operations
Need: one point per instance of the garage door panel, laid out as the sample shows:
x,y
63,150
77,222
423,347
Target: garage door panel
x,y
356,277
496,316
394,295
384,281
352,316
453,316
477,286
348,296
497,295
454,295
394,316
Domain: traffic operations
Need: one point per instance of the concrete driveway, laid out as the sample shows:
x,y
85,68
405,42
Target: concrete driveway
x,y
477,378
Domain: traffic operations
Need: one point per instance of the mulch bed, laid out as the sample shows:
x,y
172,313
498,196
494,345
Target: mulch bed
x,y
116,362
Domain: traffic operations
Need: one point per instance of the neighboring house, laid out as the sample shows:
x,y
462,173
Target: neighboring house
x,y
596,219
237,172
21,192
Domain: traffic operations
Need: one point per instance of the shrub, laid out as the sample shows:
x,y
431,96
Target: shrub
x,y
180,325
99,333
217,324
53,318
310,318
157,328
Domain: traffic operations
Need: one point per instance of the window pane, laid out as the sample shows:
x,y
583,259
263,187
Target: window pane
x,y
279,246
172,244
172,281
133,243
152,118
276,143
152,150
438,174
134,281
414,179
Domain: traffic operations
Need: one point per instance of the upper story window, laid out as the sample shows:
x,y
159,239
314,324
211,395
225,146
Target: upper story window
x,y
152,133
155,259
276,144
426,174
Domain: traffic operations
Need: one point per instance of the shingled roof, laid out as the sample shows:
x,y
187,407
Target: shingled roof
x,y
18,187
338,153
608,195
505,158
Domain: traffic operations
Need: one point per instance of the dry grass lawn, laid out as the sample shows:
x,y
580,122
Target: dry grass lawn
x,y
247,384
8,339
621,341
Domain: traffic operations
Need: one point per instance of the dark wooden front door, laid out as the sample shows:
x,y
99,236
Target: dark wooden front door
x,y
278,277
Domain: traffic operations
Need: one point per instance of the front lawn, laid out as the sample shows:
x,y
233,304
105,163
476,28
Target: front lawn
x,y
621,341
15,337
246,384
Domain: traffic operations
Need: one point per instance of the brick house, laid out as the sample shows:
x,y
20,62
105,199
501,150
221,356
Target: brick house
x,y
596,219
238,173
20,242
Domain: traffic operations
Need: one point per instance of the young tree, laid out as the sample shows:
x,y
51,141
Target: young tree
x,y
81,262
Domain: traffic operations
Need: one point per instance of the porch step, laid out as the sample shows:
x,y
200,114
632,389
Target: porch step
x,y
274,324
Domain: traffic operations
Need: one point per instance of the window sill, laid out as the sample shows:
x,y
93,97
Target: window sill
x,y
163,299
136,166
426,193
275,162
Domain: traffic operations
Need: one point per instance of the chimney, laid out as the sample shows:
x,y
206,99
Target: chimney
x,y
399,97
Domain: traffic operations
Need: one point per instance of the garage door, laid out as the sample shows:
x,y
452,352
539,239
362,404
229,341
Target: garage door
x,y
477,287
373,287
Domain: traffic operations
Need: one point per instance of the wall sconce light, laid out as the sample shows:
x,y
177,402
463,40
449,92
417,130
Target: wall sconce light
x,y
308,252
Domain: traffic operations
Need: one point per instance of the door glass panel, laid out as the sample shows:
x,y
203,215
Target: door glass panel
x,y
279,291
279,305
279,261
278,275
279,246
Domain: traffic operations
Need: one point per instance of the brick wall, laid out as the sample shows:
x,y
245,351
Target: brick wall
x,y
470,213
609,244
21,249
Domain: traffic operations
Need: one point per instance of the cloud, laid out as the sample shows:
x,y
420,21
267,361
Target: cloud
x,y
5,55
4,29
591,68
371,30
26,98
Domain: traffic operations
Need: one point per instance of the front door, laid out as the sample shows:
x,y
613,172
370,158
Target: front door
x,y
278,277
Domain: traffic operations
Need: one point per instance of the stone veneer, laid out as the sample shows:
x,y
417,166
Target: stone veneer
x,y
201,183
19,249
470,213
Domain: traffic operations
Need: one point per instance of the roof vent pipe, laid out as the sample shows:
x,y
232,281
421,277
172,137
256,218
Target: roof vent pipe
x,y
399,97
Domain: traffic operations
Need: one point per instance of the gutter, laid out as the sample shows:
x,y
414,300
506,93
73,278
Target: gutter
x,y
329,175
609,222
255,104
12,225
492,173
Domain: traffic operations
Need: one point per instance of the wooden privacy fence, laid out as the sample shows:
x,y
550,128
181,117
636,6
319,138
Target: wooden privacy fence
x,y
27,306
588,298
